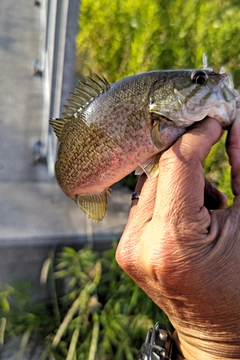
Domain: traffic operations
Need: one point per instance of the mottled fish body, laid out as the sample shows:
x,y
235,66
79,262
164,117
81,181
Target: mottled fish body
x,y
110,130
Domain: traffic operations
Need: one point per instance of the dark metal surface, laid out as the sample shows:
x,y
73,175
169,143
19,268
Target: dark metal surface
x,y
157,345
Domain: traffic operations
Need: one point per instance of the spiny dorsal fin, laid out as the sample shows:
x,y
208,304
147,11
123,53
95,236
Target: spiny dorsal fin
x,y
94,205
98,82
58,125
92,88
84,95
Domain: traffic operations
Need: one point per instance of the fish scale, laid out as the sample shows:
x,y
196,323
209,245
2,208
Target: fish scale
x,y
108,131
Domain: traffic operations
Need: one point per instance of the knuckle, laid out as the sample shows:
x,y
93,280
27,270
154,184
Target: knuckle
x,y
125,258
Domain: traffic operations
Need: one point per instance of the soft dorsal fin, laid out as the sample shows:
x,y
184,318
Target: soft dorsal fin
x,y
58,125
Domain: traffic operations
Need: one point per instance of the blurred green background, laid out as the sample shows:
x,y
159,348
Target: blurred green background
x,y
132,36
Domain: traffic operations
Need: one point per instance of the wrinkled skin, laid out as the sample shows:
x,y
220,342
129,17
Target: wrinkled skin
x,y
185,257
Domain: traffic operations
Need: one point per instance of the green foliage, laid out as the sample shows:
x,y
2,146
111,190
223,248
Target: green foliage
x,y
100,314
132,36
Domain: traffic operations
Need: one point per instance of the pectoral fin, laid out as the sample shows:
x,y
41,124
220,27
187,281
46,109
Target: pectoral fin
x,y
150,167
94,205
157,137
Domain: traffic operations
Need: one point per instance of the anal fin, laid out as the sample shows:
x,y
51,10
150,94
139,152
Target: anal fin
x,y
94,205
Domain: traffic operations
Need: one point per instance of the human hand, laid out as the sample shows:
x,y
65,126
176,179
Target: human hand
x,y
184,256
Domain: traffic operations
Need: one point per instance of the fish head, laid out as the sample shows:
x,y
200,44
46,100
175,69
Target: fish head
x,y
189,96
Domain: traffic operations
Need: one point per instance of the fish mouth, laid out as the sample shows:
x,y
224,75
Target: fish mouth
x,y
225,110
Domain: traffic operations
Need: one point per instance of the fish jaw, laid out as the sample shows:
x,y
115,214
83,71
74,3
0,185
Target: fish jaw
x,y
224,108
224,113
217,107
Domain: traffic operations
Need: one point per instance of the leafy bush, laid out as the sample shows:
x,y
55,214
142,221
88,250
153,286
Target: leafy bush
x,y
98,312
132,36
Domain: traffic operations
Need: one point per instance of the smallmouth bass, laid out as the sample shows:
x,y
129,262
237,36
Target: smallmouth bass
x,y
108,131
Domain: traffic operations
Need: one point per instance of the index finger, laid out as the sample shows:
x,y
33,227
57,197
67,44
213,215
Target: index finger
x,y
233,150
180,195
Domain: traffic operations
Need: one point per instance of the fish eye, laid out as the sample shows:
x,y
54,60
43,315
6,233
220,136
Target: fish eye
x,y
199,77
